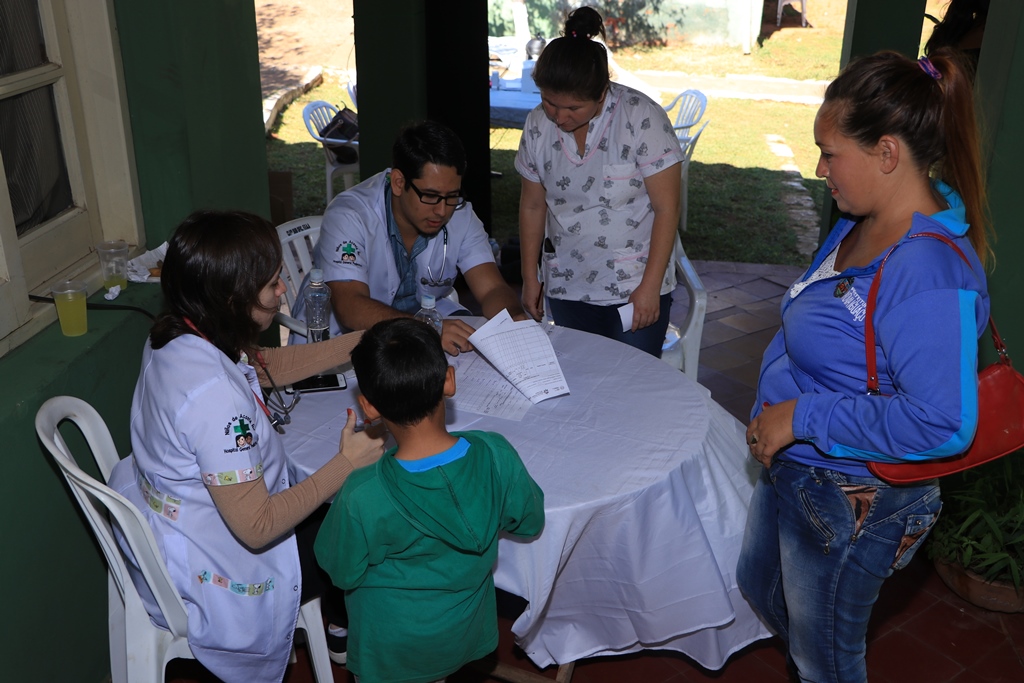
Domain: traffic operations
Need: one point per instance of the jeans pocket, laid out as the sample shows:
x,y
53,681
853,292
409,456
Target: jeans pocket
x,y
816,521
915,533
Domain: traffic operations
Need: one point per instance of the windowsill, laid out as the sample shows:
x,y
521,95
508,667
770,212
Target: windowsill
x,y
43,332
42,314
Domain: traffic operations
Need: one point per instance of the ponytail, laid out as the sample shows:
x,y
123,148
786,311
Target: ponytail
x,y
961,166
929,106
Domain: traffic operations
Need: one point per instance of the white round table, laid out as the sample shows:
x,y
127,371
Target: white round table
x,y
646,483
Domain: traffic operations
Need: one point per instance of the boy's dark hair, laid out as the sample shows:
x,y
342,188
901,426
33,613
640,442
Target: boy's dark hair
x,y
217,264
401,369
427,142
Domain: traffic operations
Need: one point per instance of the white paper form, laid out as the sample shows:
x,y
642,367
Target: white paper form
x,y
481,389
522,352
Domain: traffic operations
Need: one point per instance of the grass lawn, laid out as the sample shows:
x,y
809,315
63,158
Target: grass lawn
x,y
735,186
736,212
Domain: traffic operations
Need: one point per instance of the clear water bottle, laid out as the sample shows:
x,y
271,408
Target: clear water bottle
x,y
318,307
428,313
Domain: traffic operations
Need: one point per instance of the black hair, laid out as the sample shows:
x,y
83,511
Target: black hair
x,y
890,94
217,264
427,142
960,18
401,369
574,64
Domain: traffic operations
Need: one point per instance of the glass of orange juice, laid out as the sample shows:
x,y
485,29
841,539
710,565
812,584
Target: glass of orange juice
x,y
69,296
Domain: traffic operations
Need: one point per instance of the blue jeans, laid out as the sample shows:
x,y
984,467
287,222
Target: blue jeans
x,y
817,547
605,321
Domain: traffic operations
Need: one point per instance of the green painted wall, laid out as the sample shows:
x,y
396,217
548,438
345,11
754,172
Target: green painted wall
x,y
391,52
1000,89
53,570
191,71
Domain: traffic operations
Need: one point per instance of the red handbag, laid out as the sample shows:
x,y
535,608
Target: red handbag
x,y
1000,403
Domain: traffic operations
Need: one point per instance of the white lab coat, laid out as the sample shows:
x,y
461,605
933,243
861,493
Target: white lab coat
x,y
354,246
190,407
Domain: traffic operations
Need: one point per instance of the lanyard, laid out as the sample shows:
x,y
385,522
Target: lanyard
x,y
275,420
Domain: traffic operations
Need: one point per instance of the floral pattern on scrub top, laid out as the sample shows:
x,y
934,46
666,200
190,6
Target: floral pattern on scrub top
x,y
599,213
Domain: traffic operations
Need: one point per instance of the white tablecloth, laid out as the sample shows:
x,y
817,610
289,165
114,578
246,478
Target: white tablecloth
x,y
646,483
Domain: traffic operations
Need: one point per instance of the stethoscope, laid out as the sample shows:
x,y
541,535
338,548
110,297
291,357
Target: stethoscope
x,y
432,281
276,401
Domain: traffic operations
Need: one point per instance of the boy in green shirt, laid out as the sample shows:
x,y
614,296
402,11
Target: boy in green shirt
x,y
412,539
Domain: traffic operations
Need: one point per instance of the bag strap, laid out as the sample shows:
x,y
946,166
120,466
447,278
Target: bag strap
x,y
869,322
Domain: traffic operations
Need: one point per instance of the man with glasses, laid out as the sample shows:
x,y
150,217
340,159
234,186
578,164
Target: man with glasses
x,y
404,233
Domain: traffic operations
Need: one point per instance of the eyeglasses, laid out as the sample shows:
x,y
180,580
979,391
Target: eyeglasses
x,y
457,200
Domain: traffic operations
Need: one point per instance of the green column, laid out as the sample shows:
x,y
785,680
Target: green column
x,y
1000,89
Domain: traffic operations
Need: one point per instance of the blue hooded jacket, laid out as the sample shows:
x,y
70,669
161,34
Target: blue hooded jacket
x,y
932,308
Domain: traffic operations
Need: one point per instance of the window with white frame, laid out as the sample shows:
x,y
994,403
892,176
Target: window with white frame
x,y
64,152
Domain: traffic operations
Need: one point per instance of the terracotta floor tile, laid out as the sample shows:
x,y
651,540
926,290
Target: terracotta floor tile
x,y
650,667
1002,665
898,656
744,667
969,676
955,633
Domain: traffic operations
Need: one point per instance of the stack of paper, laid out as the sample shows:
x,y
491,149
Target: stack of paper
x,y
522,352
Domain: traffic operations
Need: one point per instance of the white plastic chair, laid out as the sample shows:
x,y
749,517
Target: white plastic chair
x,y
693,325
803,11
684,178
139,650
353,91
316,116
692,104
298,240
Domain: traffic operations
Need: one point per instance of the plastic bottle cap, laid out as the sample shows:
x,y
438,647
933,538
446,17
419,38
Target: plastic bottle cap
x,y
316,275
428,301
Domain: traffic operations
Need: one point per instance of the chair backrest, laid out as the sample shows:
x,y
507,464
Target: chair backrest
x,y
691,144
317,115
100,504
692,104
298,239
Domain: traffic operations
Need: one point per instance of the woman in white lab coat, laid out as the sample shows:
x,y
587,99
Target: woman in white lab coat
x,y
208,470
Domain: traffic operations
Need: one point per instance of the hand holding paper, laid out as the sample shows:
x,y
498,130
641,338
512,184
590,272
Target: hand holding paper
x,y
522,352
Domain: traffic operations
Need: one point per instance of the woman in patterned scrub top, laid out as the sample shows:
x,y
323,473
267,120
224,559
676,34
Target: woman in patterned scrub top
x,y
600,167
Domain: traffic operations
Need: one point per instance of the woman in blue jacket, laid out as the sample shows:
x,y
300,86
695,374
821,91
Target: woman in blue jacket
x,y
900,155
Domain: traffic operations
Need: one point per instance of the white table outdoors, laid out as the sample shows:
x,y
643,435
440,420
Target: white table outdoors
x,y
646,483
510,105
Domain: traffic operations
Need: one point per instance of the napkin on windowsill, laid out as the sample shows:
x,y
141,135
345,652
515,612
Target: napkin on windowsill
x,y
138,267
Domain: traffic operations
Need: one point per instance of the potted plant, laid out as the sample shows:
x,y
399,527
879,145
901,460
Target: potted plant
x,y
978,543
